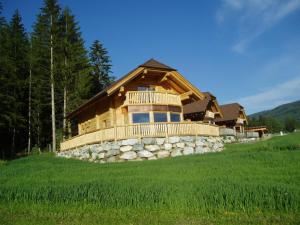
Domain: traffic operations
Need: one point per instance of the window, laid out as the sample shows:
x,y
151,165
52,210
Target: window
x,y
160,117
146,88
140,118
175,117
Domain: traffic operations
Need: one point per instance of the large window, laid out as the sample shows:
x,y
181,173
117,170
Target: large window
x,y
146,88
175,117
140,118
160,117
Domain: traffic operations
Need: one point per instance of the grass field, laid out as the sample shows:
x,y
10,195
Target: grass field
x,y
257,183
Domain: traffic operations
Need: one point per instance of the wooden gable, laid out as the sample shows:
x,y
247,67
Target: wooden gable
x,y
160,76
152,71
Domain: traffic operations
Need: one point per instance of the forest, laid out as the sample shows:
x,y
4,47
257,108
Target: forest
x,y
44,75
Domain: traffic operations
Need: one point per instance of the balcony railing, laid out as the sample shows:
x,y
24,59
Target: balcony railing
x,y
210,114
141,130
151,97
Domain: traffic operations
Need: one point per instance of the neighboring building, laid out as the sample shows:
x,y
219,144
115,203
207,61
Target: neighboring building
x,y
233,117
147,102
205,110
261,130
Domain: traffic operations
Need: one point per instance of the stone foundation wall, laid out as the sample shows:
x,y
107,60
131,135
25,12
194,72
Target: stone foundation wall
x,y
229,139
233,139
145,149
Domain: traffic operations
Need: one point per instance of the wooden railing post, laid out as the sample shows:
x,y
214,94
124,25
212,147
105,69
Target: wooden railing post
x,y
140,133
167,133
115,132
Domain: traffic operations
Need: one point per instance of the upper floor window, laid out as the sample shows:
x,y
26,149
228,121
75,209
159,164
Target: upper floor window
x,y
160,117
175,117
140,118
146,88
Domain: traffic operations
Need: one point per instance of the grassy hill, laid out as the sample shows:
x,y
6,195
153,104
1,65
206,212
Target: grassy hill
x,y
256,183
281,112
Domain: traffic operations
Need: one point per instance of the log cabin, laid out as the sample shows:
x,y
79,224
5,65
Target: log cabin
x,y
205,110
234,117
146,102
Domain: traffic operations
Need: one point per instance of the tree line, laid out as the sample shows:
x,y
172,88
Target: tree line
x,y
274,125
44,75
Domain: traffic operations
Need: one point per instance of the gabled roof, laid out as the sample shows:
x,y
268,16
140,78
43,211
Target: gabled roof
x,y
198,106
152,63
230,112
201,105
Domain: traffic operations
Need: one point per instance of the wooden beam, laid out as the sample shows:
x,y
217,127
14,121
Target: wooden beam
x,y
165,77
175,86
121,91
126,79
186,95
188,85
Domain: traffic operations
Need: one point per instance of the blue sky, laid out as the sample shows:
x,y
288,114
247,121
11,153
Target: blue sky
x,y
245,51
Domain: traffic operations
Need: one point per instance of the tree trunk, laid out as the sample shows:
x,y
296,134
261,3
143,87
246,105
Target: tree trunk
x,y
38,130
13,142
65,90
64,113
52,94
29,113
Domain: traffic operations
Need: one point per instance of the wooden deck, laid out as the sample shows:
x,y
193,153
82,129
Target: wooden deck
x,y
140,131
151,97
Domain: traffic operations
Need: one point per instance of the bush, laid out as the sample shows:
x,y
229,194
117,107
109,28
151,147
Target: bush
x,y
290,124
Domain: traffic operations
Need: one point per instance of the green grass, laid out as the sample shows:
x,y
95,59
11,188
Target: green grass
x,y
2,162
257,183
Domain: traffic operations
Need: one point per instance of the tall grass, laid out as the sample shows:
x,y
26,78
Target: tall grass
x,y
264,176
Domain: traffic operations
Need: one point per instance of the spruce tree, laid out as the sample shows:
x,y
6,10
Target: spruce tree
x,y
19,46
45,60
76,77
101,67
6,85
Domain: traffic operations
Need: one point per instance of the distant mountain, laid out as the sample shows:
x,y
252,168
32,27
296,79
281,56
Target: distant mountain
x,y
281,112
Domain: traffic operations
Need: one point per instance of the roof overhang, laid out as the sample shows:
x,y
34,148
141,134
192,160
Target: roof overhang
x,y
115,87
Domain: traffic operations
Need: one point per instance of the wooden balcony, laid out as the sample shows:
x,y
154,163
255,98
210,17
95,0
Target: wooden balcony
x,y
151,98
141,130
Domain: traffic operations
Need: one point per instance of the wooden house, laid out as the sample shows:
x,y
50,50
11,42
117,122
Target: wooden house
x,y
205,110
233,117
146,102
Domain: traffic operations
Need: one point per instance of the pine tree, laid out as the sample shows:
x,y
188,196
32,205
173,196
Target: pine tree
x,y
19,46
101,67
45,60
75,67
29,142
13,76
5,87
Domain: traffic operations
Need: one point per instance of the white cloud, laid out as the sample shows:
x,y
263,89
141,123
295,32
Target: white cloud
x,y
272,97
254,17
